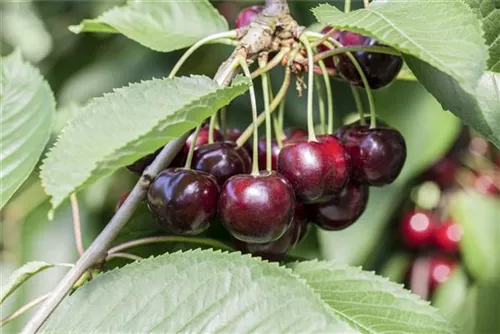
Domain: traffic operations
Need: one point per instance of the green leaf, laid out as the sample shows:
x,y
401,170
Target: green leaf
x,y
489,13
396,267
480,246
22,274
450,40
196,292
27,107
370,303
117,129
428,132
159,25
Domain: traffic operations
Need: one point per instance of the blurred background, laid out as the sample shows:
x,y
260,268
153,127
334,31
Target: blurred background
x,y
450,180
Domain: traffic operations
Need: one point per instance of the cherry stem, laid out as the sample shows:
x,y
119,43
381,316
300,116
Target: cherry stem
x,y
211,127
278,132
359,104
253,102
321,104
355,48
366,3
223,121
189,158
169,239
265,93
329,98
274,104
219,36
347,6
76,224
271,64
123,255
281,114
23,309
310,78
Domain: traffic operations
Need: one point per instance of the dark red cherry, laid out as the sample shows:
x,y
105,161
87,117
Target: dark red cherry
x,y
247,15
291,134
440,268
380,69
222,160
377,155
443,172
276,250
329,62
315,169
184,201
342,209
417,228
447,236
257,209
427,273
202,138
487,183
275,150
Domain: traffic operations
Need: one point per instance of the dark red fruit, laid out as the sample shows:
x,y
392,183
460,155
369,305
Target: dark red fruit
x,y
427,273
377,155
417,228
291,134
487,183
257,209
380,69
121,200
443,172
202,138
315,170
275,150
276,250
140,165
329,62
222,160
440,269
447,236
342,209
184,201
247,15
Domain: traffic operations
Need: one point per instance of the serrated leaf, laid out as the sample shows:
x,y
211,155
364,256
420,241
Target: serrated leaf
x,y
21,275
411,27
371,303
196,292
117,129
159,25
489,13
27,107
480,245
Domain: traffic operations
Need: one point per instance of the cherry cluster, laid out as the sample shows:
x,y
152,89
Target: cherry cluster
x,y
428,229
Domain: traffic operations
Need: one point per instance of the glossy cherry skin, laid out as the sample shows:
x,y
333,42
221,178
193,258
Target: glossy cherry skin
x,y
440,269
417,228
257,209
329,62
487,183
342,209
222,160
315,169
428,273
380,69
247,15
377,155
202,138
447,236
276,250
443,172
289,134
184,201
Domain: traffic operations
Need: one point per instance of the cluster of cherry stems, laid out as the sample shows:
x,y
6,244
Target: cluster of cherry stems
x,y
324,179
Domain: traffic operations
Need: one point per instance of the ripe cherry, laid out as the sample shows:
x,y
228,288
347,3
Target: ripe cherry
x,y
440,269
289,134
315,169
427,273
276,250
222,160
329,62
342,209
417,228
487,183
443,172
447,236
377,155
380,69
202,138
257,209
184,201
247,15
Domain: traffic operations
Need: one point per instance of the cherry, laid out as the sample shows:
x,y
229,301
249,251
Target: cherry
x,y
202,138
315,169
291,134
222,160
447,236
247,15
257,209
440,269
427,273
276,250
377,155
485,183
443,172
342,209
417,228
329,62
275,150
380,69
184,201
